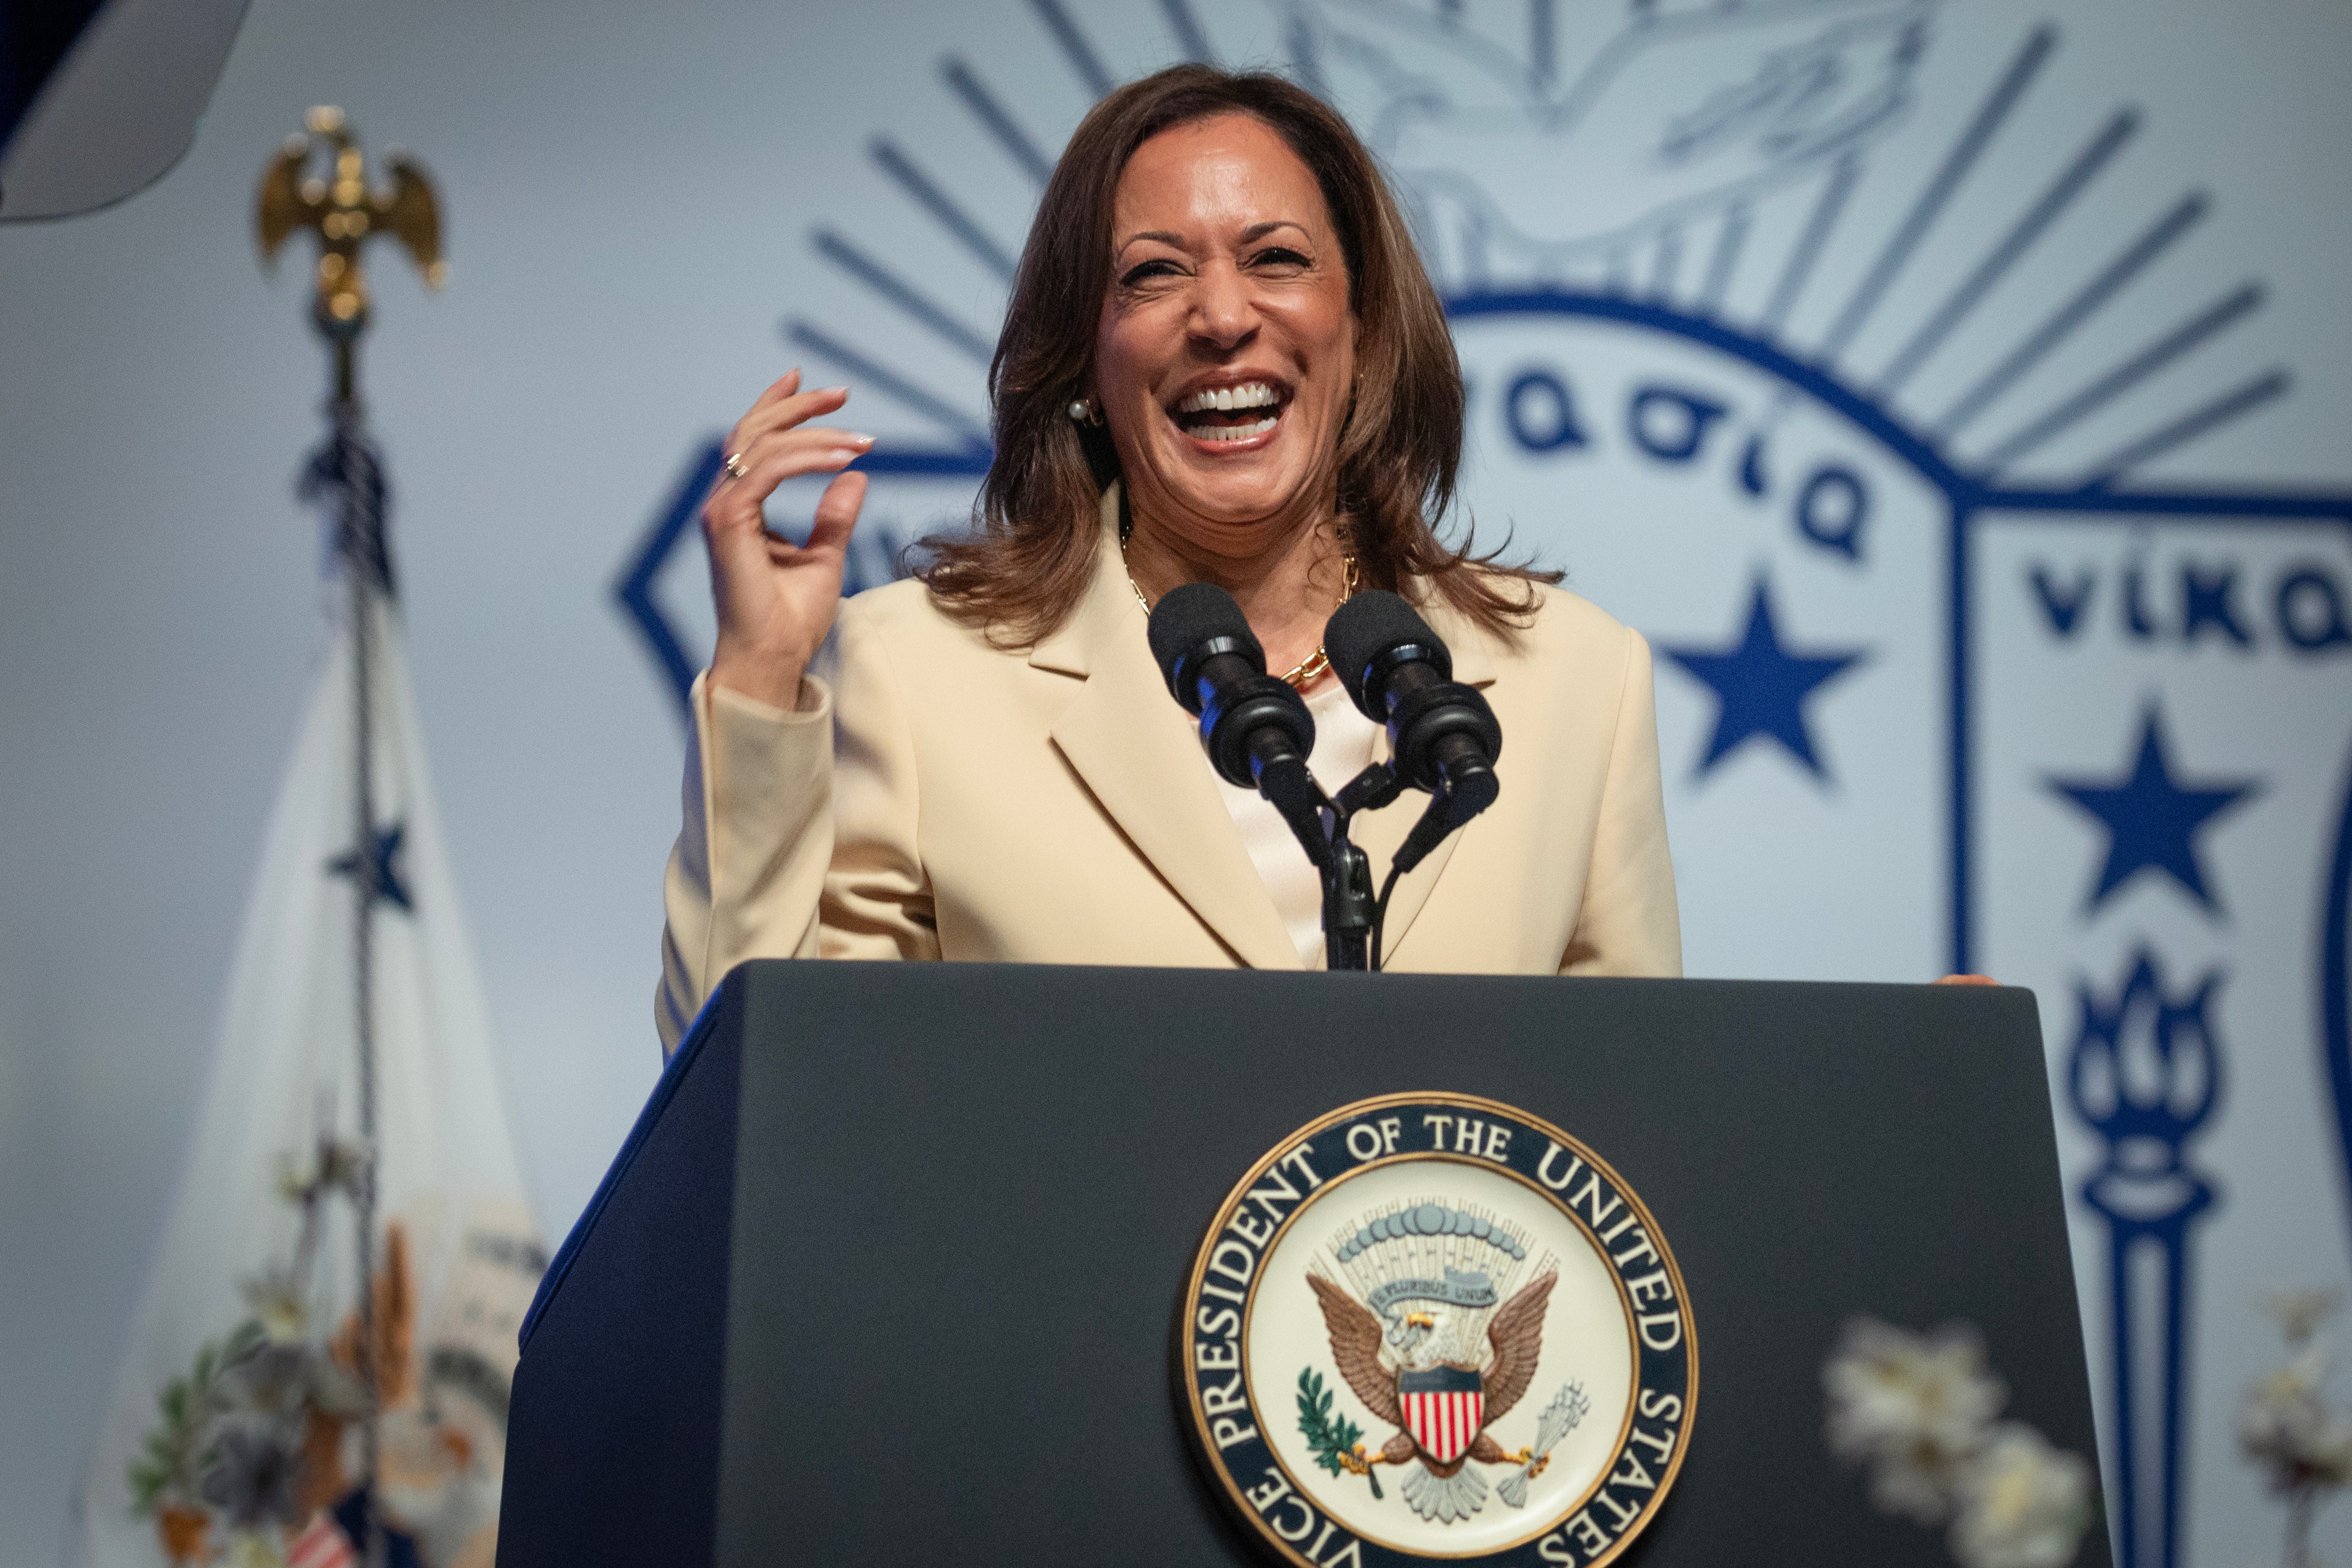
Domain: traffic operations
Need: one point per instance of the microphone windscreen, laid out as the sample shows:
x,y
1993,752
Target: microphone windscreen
x,y
1197,613
1364,628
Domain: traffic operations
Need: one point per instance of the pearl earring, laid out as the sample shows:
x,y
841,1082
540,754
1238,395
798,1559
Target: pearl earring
x,y
1083,412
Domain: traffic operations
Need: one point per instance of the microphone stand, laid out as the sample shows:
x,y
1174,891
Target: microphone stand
x,y
1352,913
1348,909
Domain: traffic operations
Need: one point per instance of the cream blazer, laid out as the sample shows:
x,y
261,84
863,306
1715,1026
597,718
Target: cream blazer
x,y
935,797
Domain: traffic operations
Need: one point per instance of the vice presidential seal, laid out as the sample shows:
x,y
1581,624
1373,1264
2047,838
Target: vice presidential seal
x,y
1433,1326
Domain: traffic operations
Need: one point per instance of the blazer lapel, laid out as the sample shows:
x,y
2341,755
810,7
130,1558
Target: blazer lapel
x,y
1380,833
1139,755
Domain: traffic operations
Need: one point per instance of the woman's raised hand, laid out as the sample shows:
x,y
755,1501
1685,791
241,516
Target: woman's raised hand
x,y
777,599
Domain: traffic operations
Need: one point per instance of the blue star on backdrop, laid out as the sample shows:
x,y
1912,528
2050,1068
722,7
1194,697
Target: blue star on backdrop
x,y
1761,687
2152,819
390,888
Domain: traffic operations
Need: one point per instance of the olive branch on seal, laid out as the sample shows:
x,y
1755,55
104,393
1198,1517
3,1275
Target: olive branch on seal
x,y
1337,1441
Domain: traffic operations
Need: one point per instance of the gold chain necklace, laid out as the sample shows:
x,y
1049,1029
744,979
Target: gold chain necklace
x,y
1307,671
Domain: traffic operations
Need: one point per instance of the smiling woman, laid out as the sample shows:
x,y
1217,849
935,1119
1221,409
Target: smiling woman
x,y
1223,363
1238,236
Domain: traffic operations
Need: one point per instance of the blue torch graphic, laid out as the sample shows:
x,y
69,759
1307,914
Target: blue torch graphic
x,y
2145,1074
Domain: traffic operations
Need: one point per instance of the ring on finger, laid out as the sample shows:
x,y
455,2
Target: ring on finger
x,y
735,467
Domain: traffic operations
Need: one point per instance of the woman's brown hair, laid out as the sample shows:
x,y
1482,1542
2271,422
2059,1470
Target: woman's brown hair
x,y
1030,555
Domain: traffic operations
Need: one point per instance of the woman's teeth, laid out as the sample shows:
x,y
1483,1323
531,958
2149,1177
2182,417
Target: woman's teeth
x,y
1255,394
1232,431
1223,414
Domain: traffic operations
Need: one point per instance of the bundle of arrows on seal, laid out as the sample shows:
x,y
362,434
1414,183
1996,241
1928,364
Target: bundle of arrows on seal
x,y
1338,1442
1559,1418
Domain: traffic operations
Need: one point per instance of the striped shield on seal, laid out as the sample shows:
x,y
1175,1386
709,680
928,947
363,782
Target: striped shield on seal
x,y
1443,1408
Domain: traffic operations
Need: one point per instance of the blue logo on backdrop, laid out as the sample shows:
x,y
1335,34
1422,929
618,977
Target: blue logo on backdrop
x,y
2152,819
1635,319
2146,1074
1760,687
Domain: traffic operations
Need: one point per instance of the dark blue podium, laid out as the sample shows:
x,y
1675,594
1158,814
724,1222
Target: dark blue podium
x,y
805,1318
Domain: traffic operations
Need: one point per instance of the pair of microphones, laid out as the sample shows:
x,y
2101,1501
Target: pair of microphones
x,y
1258,733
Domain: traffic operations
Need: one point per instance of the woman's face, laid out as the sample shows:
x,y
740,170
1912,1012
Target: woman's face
x,y
1226,355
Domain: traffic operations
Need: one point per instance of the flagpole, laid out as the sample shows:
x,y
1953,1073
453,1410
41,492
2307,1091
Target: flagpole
x,y
344,213
358,561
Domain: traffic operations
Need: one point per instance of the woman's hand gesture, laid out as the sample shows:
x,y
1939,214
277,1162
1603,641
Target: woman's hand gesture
x,y
777,599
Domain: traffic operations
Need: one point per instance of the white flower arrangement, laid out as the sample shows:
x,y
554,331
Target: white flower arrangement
x,y
235,1465
2024,1504
2285,1426
1918,1411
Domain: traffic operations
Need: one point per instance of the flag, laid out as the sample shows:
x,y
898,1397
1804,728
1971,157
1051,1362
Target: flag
x,y
254,1394
320,1544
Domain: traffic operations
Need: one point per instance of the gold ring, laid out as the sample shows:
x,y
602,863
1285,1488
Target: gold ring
x,y
735,467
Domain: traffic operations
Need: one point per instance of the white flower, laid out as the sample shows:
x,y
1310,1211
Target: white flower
x,y
277,1299
1914,1407
2023,1503
254,1549
296,1180
2286,1427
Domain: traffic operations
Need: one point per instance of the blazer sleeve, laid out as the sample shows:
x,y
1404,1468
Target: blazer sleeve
x,y
1629,923
799,833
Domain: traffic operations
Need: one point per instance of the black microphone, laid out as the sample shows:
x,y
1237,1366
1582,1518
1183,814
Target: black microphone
x,y
1254,726
1400,674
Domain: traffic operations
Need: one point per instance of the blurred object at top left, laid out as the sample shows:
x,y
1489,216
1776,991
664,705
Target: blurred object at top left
x,y
99,98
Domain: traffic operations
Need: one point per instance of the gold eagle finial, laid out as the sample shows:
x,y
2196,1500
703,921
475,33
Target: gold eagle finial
x,y
342,212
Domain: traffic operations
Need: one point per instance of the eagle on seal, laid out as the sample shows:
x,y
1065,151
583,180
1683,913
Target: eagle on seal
x,y
1439,1489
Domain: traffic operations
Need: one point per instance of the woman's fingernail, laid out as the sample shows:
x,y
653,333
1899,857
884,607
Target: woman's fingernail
x,y
834,391
860,440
